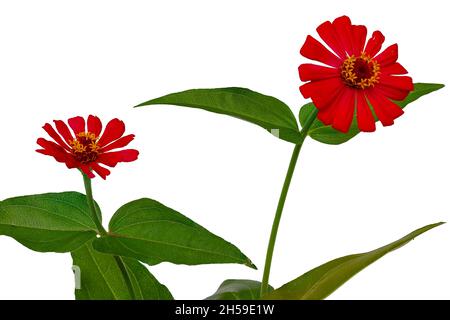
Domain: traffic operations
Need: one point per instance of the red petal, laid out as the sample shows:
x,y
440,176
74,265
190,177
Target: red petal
x,y
101,171
328,34
326,115
323,91
385,109
366,121
343,27
120,143
395,68
77,124
87,171
55,136
63,130
56,151
94,125
113,131
52,148
374,44
359,36
345,109
388,56
393,93
310,72
111,159
393,109
398,82
314,50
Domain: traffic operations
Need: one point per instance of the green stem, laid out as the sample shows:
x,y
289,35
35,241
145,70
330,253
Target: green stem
x,y
91,205
281,201
96,218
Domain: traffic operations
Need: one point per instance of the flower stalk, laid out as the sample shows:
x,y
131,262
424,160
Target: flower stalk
x,y
90,200
96,218
281,202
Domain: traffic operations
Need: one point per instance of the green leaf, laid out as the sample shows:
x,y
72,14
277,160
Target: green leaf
x,y
100,278
328,135
50,222
148,231
264,111
238,290
320,282
145,285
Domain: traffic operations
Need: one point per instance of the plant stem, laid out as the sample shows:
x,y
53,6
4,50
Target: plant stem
x,y
91,205
281,201
96,218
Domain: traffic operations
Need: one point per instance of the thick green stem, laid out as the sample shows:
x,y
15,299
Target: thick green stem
x,y
281,201
96,218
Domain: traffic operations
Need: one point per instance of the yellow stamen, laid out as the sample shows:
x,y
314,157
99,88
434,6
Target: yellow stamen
x,y
84,147
360,72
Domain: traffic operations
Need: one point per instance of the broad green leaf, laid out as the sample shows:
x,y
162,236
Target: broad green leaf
x,y
148,231
238,290
328,135
56,222
320,282
264,111
99,278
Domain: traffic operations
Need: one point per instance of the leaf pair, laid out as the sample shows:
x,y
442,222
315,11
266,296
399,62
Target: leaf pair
x,y
269,112
317,283
142,230
60,222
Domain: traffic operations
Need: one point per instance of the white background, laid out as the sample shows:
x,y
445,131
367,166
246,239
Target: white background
x,y
59,59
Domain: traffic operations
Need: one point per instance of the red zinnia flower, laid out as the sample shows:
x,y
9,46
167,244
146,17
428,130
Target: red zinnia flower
x,y
358,79
86,149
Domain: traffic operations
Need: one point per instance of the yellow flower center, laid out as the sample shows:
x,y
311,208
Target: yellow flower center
x,y
360,72
84,147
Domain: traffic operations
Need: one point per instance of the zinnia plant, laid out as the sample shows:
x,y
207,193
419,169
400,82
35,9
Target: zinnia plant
x,y
355,84
351,89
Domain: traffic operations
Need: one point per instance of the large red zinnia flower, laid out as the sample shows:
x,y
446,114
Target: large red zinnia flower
x,y
86,149
359,78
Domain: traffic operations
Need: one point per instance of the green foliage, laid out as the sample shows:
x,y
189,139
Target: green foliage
x,y
320,282
148,231
264,111
50,222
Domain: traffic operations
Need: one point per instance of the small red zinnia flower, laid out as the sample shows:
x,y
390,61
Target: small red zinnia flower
x,y
359,78
86,149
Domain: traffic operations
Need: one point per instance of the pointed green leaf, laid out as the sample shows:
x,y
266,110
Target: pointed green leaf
x,y
328,135
238,290
148,231
99,278
320,282
264,111
56,222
